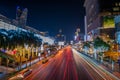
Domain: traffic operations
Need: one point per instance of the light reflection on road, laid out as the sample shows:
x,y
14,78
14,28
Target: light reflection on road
x,y
67,65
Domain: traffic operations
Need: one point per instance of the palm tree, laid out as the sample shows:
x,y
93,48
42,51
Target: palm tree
x,y
3,38
86,46
101,46
3,42
12,38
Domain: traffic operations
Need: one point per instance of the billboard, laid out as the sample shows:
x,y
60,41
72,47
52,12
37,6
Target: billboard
x,y
117,22
108,22
117,35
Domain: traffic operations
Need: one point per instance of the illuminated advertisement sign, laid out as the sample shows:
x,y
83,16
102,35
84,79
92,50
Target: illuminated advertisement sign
x,y
108,22
117,22
117,37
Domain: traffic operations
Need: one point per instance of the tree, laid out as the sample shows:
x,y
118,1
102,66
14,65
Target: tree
x,y
17,38
3,38
86,46
101,46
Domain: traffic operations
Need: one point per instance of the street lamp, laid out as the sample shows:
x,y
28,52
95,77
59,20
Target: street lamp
x,y
39,56
118,42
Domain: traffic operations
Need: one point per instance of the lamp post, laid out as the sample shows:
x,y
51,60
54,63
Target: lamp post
x,y
118,42
20,62
7,64
39,56
117,35
30,56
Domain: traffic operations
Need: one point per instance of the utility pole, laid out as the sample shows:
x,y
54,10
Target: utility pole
x,y
117,24
85,20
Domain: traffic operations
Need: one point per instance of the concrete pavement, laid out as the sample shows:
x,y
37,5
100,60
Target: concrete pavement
x,y
107,66
4,71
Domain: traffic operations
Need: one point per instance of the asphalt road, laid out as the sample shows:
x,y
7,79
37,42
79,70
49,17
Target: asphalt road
x,y
67,64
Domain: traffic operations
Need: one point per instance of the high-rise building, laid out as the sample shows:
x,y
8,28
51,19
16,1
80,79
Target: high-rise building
x,y
109,7
21,16
6,23
100,16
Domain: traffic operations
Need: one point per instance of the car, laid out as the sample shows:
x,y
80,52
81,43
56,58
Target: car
x,y
53,55
26,72
17,77
44,60
21,75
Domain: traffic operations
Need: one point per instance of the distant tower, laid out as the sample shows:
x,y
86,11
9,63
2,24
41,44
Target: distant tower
x,y
60,36
18,13
21,16
77,35
60,31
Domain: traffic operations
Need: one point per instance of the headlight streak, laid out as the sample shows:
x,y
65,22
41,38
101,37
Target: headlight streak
x,y
67,65
97,68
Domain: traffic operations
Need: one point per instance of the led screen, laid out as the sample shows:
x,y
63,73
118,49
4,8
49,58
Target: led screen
x,y
108,22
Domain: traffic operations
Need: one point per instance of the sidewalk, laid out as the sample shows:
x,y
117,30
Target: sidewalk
x,y
30,63
107,66
4,71
24,65
27,64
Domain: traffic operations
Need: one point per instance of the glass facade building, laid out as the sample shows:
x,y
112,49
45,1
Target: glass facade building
x,y
100,16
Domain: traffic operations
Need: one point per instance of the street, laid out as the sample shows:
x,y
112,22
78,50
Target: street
x,y
60,40
67,65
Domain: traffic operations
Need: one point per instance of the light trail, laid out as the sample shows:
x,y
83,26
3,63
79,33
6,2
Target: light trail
x,y
67,64
102,72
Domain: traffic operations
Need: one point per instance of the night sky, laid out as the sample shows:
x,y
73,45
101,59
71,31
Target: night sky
x,y
49,15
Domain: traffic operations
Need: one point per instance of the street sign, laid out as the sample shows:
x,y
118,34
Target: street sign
x,y
61,43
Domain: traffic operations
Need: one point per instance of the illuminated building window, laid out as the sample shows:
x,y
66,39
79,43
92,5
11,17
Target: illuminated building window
x,y
92,6
116,9
116,4
89,24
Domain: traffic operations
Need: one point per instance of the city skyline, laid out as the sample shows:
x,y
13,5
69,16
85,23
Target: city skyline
x,y
49,15
46,40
